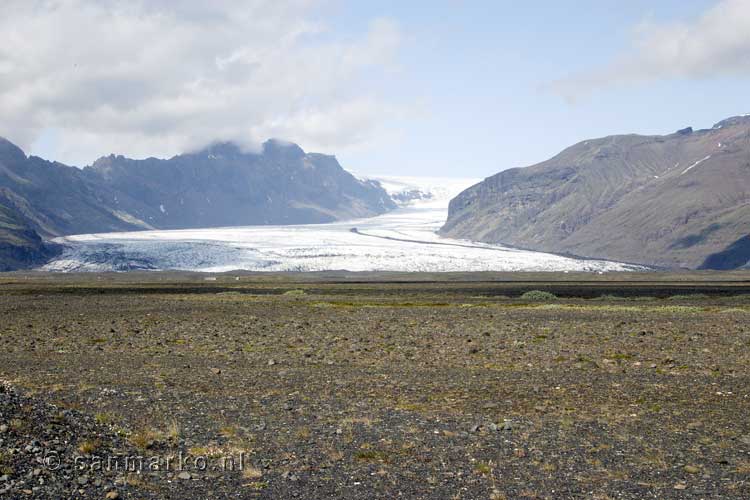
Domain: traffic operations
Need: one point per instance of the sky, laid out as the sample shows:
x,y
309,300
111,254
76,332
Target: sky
x,y
425,88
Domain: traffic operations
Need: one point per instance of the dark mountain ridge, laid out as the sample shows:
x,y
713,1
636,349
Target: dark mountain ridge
x,y
220,185
680,200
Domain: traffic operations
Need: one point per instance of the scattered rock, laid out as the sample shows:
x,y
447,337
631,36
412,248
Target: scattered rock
x,y
216,371
42,455
691,469
184,475
694,425
289,476
112,495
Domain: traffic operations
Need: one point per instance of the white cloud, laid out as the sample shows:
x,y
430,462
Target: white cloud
x,y
716,44
161,77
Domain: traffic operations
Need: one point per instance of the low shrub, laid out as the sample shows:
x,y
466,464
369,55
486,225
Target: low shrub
x,y
538,295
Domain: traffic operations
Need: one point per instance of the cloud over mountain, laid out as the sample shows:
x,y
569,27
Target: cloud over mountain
x,y
161,77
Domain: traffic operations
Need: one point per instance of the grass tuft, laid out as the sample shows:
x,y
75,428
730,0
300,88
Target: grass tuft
x,y
145,438
89,446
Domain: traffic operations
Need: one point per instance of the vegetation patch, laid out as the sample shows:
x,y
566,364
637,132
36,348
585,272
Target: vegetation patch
x,y
539,295
401,388
694,296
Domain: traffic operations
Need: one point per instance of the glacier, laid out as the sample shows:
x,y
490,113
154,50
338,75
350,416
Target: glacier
x,y
402,240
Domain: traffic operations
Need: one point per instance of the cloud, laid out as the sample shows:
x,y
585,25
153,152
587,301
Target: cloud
x,y
716,44
161,77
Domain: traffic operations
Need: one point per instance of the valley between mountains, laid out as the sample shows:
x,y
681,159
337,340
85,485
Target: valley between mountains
x,y
625,202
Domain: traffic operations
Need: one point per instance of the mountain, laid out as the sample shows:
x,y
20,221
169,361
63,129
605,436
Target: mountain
x,y
220,185
680,200
224,186
20,245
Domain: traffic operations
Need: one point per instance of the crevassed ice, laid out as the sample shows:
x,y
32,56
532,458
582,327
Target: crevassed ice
x,y
402,240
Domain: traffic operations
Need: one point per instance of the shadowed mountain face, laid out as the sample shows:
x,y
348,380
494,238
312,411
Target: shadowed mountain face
x,y
20,245
218,186
681,200
222,186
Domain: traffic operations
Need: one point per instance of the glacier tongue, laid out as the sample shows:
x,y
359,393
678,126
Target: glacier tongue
x,y
402,240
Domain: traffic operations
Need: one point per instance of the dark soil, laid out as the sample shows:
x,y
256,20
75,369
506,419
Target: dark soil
x,y
363,387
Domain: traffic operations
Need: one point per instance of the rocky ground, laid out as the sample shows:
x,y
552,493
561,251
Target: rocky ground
x,y
312,387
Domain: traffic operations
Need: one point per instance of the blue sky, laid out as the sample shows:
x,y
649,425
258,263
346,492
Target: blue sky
x,y
441,88
481,71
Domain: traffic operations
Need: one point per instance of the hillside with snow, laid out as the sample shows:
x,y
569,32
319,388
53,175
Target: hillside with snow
x,y
680,200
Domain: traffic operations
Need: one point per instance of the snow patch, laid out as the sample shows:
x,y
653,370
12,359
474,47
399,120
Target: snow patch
x,y
695,164
438,191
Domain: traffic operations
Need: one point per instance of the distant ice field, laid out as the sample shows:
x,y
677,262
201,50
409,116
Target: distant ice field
x,y
402,240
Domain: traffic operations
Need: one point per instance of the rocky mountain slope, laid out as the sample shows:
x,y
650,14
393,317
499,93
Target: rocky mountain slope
x,y
217,186
681,200
20,245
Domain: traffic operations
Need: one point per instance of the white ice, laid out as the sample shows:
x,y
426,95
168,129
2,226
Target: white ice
x,y
402,240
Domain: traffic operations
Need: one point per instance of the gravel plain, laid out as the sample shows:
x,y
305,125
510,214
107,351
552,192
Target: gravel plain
x,y
370,386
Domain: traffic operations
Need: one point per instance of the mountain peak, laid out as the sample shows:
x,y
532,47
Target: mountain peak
x,y
221,150
105,162
273,147
734,121
10,151
672,201
284,149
